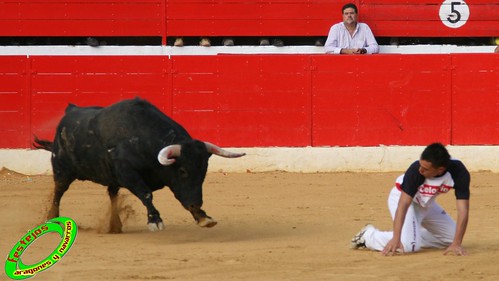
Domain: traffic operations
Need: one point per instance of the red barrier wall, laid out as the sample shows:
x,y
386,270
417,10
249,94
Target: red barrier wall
x,y
387,18
267,100
420,18
82,18
382,100
85,80
15,97
244,100
170,18
475,99
251,18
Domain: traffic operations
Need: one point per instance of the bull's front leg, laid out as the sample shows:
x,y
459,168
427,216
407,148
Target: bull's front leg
x,y
133,182
201,217
154,221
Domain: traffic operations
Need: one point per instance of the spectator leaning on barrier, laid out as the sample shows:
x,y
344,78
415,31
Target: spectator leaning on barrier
x,y
350,36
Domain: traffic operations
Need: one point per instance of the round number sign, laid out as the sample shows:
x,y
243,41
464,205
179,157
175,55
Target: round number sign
x,y
454,13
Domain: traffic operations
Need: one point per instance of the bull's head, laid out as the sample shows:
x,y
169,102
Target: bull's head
x,y
191,161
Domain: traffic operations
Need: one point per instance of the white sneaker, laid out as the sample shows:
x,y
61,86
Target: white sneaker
x,y
358,241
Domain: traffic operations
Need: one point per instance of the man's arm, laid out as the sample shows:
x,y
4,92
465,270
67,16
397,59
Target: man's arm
x,y
463,207
372,46
332,41
395,244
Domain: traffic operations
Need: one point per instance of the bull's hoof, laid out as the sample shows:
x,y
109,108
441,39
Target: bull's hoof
x,y
207,222
156,226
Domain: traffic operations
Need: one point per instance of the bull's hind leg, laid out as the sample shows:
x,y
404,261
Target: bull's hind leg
x,y
61,186
115,225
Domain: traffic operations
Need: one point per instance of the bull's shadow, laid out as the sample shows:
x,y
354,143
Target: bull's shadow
x,y
228,232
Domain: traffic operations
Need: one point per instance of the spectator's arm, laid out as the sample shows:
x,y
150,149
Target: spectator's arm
x,y
372,46
331,45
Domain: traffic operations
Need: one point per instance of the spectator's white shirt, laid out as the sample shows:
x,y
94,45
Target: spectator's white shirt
x,y
339,38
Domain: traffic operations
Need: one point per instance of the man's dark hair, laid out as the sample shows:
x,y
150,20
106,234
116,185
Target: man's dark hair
x,y
349,5
436,154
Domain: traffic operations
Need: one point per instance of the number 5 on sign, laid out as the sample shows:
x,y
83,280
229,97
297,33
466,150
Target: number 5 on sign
x,y
454,13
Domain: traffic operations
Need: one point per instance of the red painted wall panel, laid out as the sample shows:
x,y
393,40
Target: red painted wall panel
x,y
168,18
314,18
64,10
267,100
418,12
419,2
380,100
80,28
86,80
250,18
244,100
416,20
77,18
248,28
475,84
433,29
14,102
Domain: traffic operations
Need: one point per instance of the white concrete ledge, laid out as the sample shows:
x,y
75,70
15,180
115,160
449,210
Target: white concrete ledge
x,y
300,159
216,50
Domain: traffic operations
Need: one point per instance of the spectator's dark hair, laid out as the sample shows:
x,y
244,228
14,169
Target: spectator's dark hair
x,y
436,154
349,5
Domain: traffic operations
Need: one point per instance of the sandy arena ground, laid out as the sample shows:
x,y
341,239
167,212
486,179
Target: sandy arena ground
x,y
272,226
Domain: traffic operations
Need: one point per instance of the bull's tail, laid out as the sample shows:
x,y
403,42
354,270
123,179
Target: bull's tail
x,y
42,144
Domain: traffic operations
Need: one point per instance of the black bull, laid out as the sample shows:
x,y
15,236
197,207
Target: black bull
x,y
130,144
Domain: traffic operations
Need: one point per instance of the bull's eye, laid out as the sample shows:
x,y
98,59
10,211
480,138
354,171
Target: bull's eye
x,y
182,172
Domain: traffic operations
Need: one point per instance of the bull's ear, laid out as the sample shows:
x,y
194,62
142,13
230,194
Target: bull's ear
x,y
166,156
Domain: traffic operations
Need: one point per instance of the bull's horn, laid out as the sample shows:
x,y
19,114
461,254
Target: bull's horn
x,y
165,155
221,152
